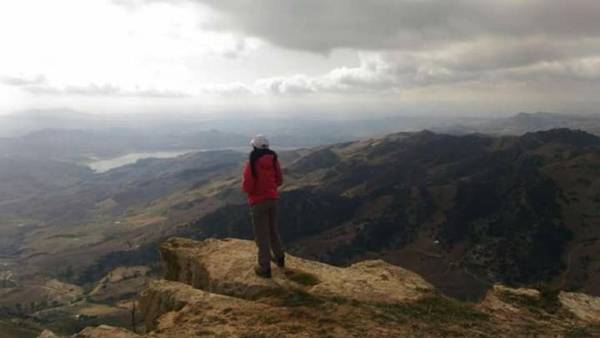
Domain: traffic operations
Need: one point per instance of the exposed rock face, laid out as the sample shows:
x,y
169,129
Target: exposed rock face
x,y
226,267
63,293
164,296
495,300
583,306
576,314
212,291
173,309
47,334
120,283
104,331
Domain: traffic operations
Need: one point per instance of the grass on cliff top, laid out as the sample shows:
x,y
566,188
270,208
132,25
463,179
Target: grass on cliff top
x,y
436,312
288,297
301,277
432,310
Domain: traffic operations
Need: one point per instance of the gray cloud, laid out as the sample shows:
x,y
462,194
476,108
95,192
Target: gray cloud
x,y
23,80
373,74
104,90
424,42
512,47
235,88
581,70
234,50
321,26
394,72
39,85
479,35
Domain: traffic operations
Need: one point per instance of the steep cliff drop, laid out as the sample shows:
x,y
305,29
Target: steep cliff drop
x,y
210,290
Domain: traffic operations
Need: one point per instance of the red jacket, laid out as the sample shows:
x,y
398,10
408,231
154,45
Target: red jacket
x,y
264,186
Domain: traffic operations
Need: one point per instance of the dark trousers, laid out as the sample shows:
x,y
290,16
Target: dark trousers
x,y
266,232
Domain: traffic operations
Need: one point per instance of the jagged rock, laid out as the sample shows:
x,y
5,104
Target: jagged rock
x,y
583,306
47,334
173,309
522,292
213,292
62,293
120,283
515,307
226,267
494,299
163,297
125,273
104,331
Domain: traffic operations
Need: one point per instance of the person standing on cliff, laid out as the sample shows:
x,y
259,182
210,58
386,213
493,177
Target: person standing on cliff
x,y
261,178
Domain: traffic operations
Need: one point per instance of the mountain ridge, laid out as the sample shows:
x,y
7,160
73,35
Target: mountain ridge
x,y
465,212
210,290
411,188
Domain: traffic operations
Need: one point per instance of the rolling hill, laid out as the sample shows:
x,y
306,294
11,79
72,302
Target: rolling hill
x,y
522,123
464,211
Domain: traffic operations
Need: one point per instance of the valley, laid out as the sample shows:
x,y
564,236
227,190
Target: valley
x,y
417,168
104,165
463,211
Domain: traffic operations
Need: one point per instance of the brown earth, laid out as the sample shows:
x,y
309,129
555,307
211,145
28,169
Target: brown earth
x,y
211,291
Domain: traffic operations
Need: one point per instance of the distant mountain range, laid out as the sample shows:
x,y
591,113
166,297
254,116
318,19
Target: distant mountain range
x,y
464,211
525,122
396,197
71,136
283,130
75,145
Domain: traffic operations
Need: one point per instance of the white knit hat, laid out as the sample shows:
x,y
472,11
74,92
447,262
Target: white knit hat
x,y
260,141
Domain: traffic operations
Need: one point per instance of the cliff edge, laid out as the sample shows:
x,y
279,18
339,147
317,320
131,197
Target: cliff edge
x,y
210,290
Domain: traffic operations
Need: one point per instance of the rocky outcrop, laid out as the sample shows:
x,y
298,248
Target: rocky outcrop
x,y
47,334
511,301
583,306
211,290
163,297
496,299
173,309
226,267
104,331
120,283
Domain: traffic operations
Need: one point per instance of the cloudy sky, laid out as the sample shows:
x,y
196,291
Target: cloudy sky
x,y
283,57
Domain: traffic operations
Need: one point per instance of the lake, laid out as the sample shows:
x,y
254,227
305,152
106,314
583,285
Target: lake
x,y
104,165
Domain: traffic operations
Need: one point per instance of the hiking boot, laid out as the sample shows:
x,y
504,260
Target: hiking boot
x,y
262,273
280,262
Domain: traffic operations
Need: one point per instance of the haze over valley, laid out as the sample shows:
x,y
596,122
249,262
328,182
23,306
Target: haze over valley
x,y
440,163
63,220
